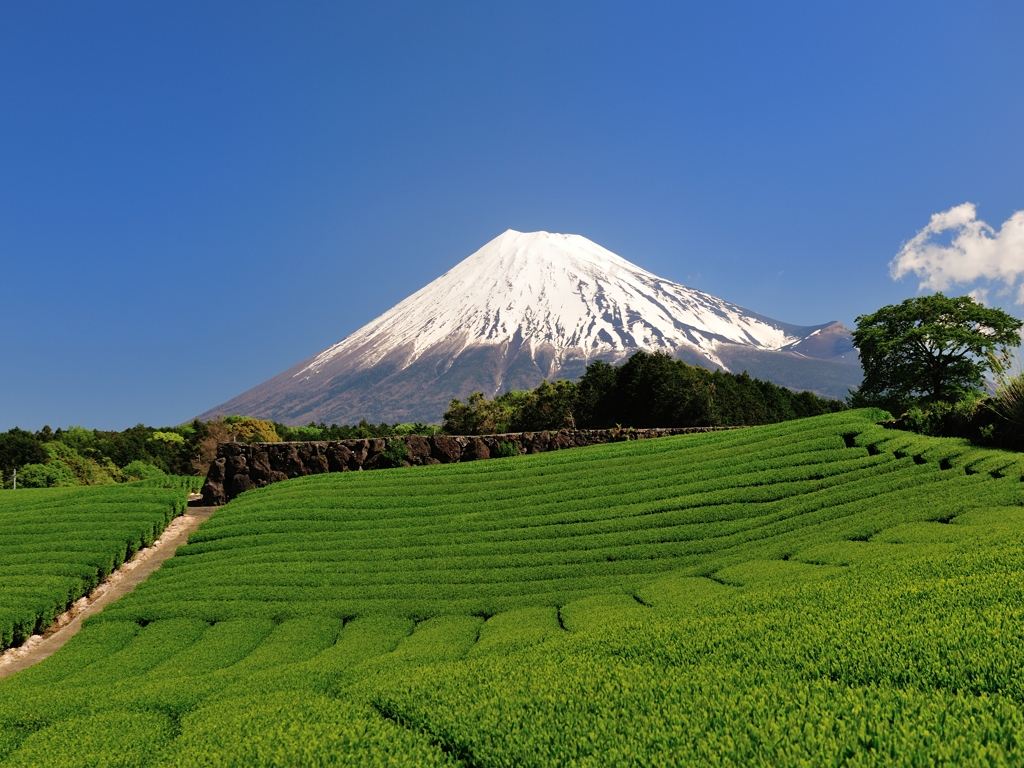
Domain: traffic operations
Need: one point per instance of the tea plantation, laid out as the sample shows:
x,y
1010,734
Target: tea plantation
x,y
57,544
818,592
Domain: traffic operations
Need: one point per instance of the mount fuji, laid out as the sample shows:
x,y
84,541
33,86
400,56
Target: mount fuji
x,y
530,306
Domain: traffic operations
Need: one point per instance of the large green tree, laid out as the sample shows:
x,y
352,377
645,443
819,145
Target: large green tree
x,y
17,448
928,349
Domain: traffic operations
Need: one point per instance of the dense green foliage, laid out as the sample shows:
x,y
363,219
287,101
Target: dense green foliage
x,y
992,420
57,544
79,456
648,390
18,448
929,349
359,431
818,592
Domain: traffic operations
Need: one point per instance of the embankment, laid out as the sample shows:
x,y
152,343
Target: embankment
x,y
242,466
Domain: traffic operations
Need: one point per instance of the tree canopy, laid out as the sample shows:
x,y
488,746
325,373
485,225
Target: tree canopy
x,y
80,456
648,390
928,349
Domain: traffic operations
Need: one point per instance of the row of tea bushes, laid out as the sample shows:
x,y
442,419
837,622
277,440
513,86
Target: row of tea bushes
x,y
57,544
805,593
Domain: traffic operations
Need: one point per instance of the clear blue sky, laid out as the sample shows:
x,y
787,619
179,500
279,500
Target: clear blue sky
x,y
195,196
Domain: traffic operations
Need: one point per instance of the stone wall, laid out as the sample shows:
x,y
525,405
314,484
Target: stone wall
x,y
242,466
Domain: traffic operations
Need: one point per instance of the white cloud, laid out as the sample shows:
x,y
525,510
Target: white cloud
x,y
980,295
975,251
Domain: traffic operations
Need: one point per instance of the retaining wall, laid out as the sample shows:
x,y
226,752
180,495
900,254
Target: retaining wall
x,y
242,466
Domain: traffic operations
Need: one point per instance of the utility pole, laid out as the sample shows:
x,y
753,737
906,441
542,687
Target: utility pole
x,y
14,478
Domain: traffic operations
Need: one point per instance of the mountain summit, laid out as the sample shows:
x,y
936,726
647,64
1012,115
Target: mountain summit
x,y
529,306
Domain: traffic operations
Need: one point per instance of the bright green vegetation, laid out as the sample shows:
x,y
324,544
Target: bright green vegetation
x,y
57,544
77,456
816,592
930,349
188,483
927,359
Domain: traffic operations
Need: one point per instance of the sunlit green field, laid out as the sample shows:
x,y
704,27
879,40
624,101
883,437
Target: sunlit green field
x,y
56,544
816,592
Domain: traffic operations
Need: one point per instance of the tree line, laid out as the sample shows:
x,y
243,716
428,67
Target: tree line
x,y
80,456
648,390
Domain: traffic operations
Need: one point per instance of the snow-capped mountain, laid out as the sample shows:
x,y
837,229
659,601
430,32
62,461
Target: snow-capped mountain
x,y
525,307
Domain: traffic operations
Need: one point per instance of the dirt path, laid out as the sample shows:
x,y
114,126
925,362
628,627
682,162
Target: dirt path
x,y
119,583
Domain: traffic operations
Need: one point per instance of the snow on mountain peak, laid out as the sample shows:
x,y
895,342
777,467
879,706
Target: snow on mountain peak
x,y
562,292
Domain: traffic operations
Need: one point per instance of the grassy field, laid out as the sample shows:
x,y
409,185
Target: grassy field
x,y
820,592
57,544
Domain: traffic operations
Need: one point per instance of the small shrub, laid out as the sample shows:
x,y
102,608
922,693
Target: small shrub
x,y
395,453
140,470
506,449
620,433
1008,399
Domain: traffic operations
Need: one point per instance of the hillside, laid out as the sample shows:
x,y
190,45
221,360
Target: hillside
x,y
530,306
820,591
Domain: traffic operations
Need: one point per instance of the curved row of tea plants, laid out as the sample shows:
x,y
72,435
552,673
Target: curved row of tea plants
x,y
57,544
189,483
816,592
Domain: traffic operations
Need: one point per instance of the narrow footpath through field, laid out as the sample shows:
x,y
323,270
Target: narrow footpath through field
x,y
118,584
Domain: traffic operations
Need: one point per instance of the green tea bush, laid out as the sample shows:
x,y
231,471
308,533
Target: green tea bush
x,y
58,544
189,483
816,592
